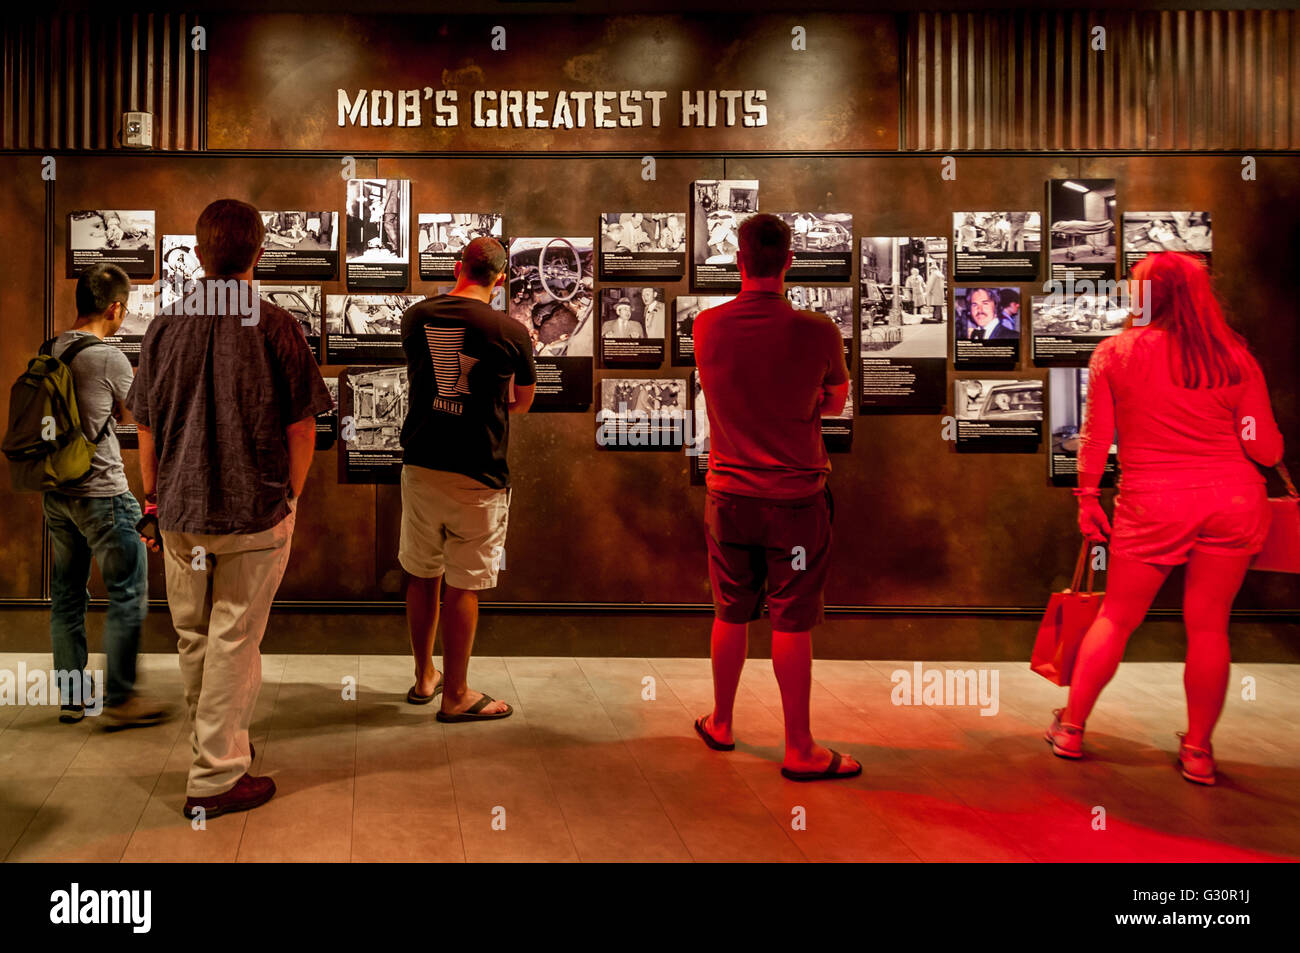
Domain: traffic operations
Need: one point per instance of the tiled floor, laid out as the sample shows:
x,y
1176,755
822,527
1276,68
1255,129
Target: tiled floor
x,y
591,769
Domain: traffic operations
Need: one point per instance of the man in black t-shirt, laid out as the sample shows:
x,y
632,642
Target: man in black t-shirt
x,y
469,367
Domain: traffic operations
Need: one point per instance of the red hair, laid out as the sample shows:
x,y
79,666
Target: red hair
x,y
1177,298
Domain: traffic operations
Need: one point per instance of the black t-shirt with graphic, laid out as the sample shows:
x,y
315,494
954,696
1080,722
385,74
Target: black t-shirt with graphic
x,y
460,357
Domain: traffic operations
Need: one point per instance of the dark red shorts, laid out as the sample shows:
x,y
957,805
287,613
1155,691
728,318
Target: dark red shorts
x,y
781,547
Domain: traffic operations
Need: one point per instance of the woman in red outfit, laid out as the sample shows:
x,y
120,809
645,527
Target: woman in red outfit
x,y
1192,413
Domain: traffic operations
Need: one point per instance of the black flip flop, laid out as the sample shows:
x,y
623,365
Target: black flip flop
x,y
709,740
832,772
472,713
415,698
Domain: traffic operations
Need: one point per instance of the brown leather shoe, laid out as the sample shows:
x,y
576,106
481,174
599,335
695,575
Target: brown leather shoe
x,y
136,710
249,792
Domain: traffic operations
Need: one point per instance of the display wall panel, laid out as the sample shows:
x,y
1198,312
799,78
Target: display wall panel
x,y
917,524
334,546
585,526
22,208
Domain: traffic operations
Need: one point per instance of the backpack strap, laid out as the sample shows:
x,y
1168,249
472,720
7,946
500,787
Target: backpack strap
x,y
75,348
68,354
104,429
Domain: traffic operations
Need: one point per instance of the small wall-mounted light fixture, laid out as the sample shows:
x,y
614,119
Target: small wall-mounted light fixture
x,y
137,130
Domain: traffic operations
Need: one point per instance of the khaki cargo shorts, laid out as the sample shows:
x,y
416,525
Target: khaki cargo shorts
x,y
452,526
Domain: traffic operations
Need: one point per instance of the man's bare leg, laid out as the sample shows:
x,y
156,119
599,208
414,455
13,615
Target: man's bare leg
x,y
459,622
730,645
792,663
422,620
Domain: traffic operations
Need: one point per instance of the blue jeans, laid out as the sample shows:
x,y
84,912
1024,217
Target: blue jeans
x,y
102,528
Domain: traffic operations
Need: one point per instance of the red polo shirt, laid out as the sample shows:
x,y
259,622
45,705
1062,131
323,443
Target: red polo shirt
x,y
763,366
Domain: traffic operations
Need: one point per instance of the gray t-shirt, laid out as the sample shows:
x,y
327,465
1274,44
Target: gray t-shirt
x,y
102,376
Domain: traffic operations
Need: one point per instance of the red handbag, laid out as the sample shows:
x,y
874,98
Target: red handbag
x,y
1281,552
1067,618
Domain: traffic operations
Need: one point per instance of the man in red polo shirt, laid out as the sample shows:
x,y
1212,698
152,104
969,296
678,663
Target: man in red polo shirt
x,y
770,373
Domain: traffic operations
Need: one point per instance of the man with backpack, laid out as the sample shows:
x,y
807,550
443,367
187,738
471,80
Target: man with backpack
x,y
62,440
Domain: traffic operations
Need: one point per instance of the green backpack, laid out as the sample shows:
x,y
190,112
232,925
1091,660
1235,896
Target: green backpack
x,y
45,444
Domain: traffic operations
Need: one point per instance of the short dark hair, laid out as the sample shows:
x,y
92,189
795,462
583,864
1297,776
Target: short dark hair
x,y
229,232
482,260
100,286
764,246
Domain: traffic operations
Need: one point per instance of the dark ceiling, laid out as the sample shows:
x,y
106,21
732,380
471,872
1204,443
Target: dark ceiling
x,y
656,6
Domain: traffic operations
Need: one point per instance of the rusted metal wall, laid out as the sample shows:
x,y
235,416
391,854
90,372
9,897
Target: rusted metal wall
x,y
276,84
66,79
22,277
1166,80
1169,79
917,524
591,526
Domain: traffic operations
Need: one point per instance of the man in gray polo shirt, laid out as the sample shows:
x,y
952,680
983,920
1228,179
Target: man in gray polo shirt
x,y
95,518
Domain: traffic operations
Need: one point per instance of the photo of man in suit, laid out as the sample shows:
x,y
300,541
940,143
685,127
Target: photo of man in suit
x,y
982,320
622,325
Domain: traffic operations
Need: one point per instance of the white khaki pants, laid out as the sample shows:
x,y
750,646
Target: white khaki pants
x,y
220,598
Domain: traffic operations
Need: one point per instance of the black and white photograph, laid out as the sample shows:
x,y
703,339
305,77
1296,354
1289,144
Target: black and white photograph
x,y
1066,329
697,446
642,245
179,265
835,303
987,245
1001,415
378,240
718,208
372,404
1083,241
304,303
141,307
298,245
903,316
986,326
552,289
1147,232
642,414
632,326
327,423
366,328
126,238
686,308
444,235
821,244
1067,397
